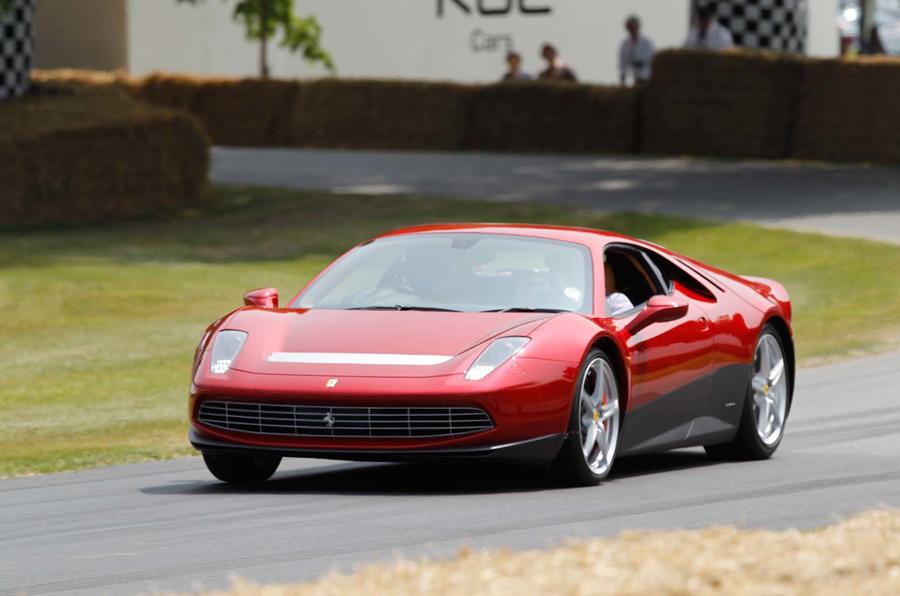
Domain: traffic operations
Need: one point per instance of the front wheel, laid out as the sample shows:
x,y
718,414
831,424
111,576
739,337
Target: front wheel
x,y
241,468
590,448
766,406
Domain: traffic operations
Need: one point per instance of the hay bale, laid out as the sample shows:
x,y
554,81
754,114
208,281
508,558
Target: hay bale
x,y
248,112
380,114
357,114
81,153
552,117
724,104
860,555
370,114
849,111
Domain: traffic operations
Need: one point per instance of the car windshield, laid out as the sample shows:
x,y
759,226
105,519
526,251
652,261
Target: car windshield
x,y
457,272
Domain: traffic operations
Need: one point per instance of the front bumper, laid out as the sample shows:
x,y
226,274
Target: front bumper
x,y
528,400
537,450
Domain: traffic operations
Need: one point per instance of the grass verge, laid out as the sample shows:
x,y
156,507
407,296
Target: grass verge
x,y
860,555
98,324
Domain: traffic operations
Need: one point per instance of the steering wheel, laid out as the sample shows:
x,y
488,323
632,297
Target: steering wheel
x,y
383,292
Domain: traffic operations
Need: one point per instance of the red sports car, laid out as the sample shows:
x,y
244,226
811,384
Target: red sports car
x,y
542,344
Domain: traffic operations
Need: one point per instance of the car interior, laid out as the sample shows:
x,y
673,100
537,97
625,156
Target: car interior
x,y
467,272
629,272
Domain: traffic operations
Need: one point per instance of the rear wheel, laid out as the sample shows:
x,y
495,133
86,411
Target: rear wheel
x,y
241,468
767,405
590,449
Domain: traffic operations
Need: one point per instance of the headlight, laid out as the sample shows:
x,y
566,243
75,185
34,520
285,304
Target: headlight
x,y
226,346
494,355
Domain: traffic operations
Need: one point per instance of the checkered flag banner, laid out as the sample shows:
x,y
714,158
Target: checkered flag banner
x,y
16,47
777,25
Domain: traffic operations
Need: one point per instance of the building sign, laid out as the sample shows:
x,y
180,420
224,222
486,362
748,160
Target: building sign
x,y
495,8
482,41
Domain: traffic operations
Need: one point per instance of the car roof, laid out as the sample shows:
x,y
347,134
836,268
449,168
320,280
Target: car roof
x,y
588,236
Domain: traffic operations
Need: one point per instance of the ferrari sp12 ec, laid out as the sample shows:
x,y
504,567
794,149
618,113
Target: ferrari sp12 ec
x,y
552,345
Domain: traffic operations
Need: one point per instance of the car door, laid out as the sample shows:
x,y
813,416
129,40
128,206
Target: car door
x,y
730,370
670,359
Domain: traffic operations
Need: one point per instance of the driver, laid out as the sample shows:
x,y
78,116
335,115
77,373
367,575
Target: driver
x,y
421,271
616,302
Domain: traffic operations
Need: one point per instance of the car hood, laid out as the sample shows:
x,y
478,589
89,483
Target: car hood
x,y
367,343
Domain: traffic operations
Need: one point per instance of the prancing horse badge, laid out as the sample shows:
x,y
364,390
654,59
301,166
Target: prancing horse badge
x,y
331,383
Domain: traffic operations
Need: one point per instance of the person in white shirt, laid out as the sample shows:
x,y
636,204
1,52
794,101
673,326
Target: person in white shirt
x,y
635,54
708,33
617,303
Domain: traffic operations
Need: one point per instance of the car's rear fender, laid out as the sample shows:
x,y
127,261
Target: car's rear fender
x,y
772,291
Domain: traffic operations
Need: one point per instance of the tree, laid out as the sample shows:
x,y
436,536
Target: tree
x,y
263,19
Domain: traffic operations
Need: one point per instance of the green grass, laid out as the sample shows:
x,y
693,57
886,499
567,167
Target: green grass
x,y
98,324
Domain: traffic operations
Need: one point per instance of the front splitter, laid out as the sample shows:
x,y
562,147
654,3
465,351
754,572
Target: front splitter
x,y
537,450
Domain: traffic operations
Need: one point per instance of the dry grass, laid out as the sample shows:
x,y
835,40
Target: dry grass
x,y
858,556
83,77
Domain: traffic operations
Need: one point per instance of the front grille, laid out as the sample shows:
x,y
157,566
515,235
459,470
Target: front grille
x,y
325,421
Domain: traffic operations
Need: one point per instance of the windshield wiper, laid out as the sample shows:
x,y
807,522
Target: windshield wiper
x,y
404,307
526,309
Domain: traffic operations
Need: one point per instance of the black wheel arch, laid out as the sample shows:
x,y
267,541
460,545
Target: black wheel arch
x,y
609,347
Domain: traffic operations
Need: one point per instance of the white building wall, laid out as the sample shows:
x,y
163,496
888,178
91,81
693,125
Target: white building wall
x,y
408,38
824,39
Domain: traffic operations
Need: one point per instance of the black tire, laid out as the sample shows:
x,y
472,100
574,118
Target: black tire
x,y
747,444
241,468
570,465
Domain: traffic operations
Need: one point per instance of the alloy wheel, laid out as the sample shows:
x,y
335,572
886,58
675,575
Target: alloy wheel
x,y
769,388
599,416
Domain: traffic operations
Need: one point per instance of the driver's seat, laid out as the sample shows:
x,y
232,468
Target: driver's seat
x,y
610,275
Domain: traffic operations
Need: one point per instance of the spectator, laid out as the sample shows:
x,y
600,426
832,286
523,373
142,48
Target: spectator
x,y
514,70
708,33
635,53
873,45
556,70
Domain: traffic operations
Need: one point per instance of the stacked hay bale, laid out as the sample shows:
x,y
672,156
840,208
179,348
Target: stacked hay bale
x,y
79,153
731,104
555,118
248,112
413,115
364,114
322,113
850,111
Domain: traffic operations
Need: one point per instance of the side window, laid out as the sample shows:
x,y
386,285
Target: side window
x,y
687,283
630,279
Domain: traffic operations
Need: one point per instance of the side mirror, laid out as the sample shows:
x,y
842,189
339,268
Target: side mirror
x,y
263,298
659,309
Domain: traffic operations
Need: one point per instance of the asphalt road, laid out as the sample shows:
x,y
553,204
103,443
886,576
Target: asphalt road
x,y
850,200
168,525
